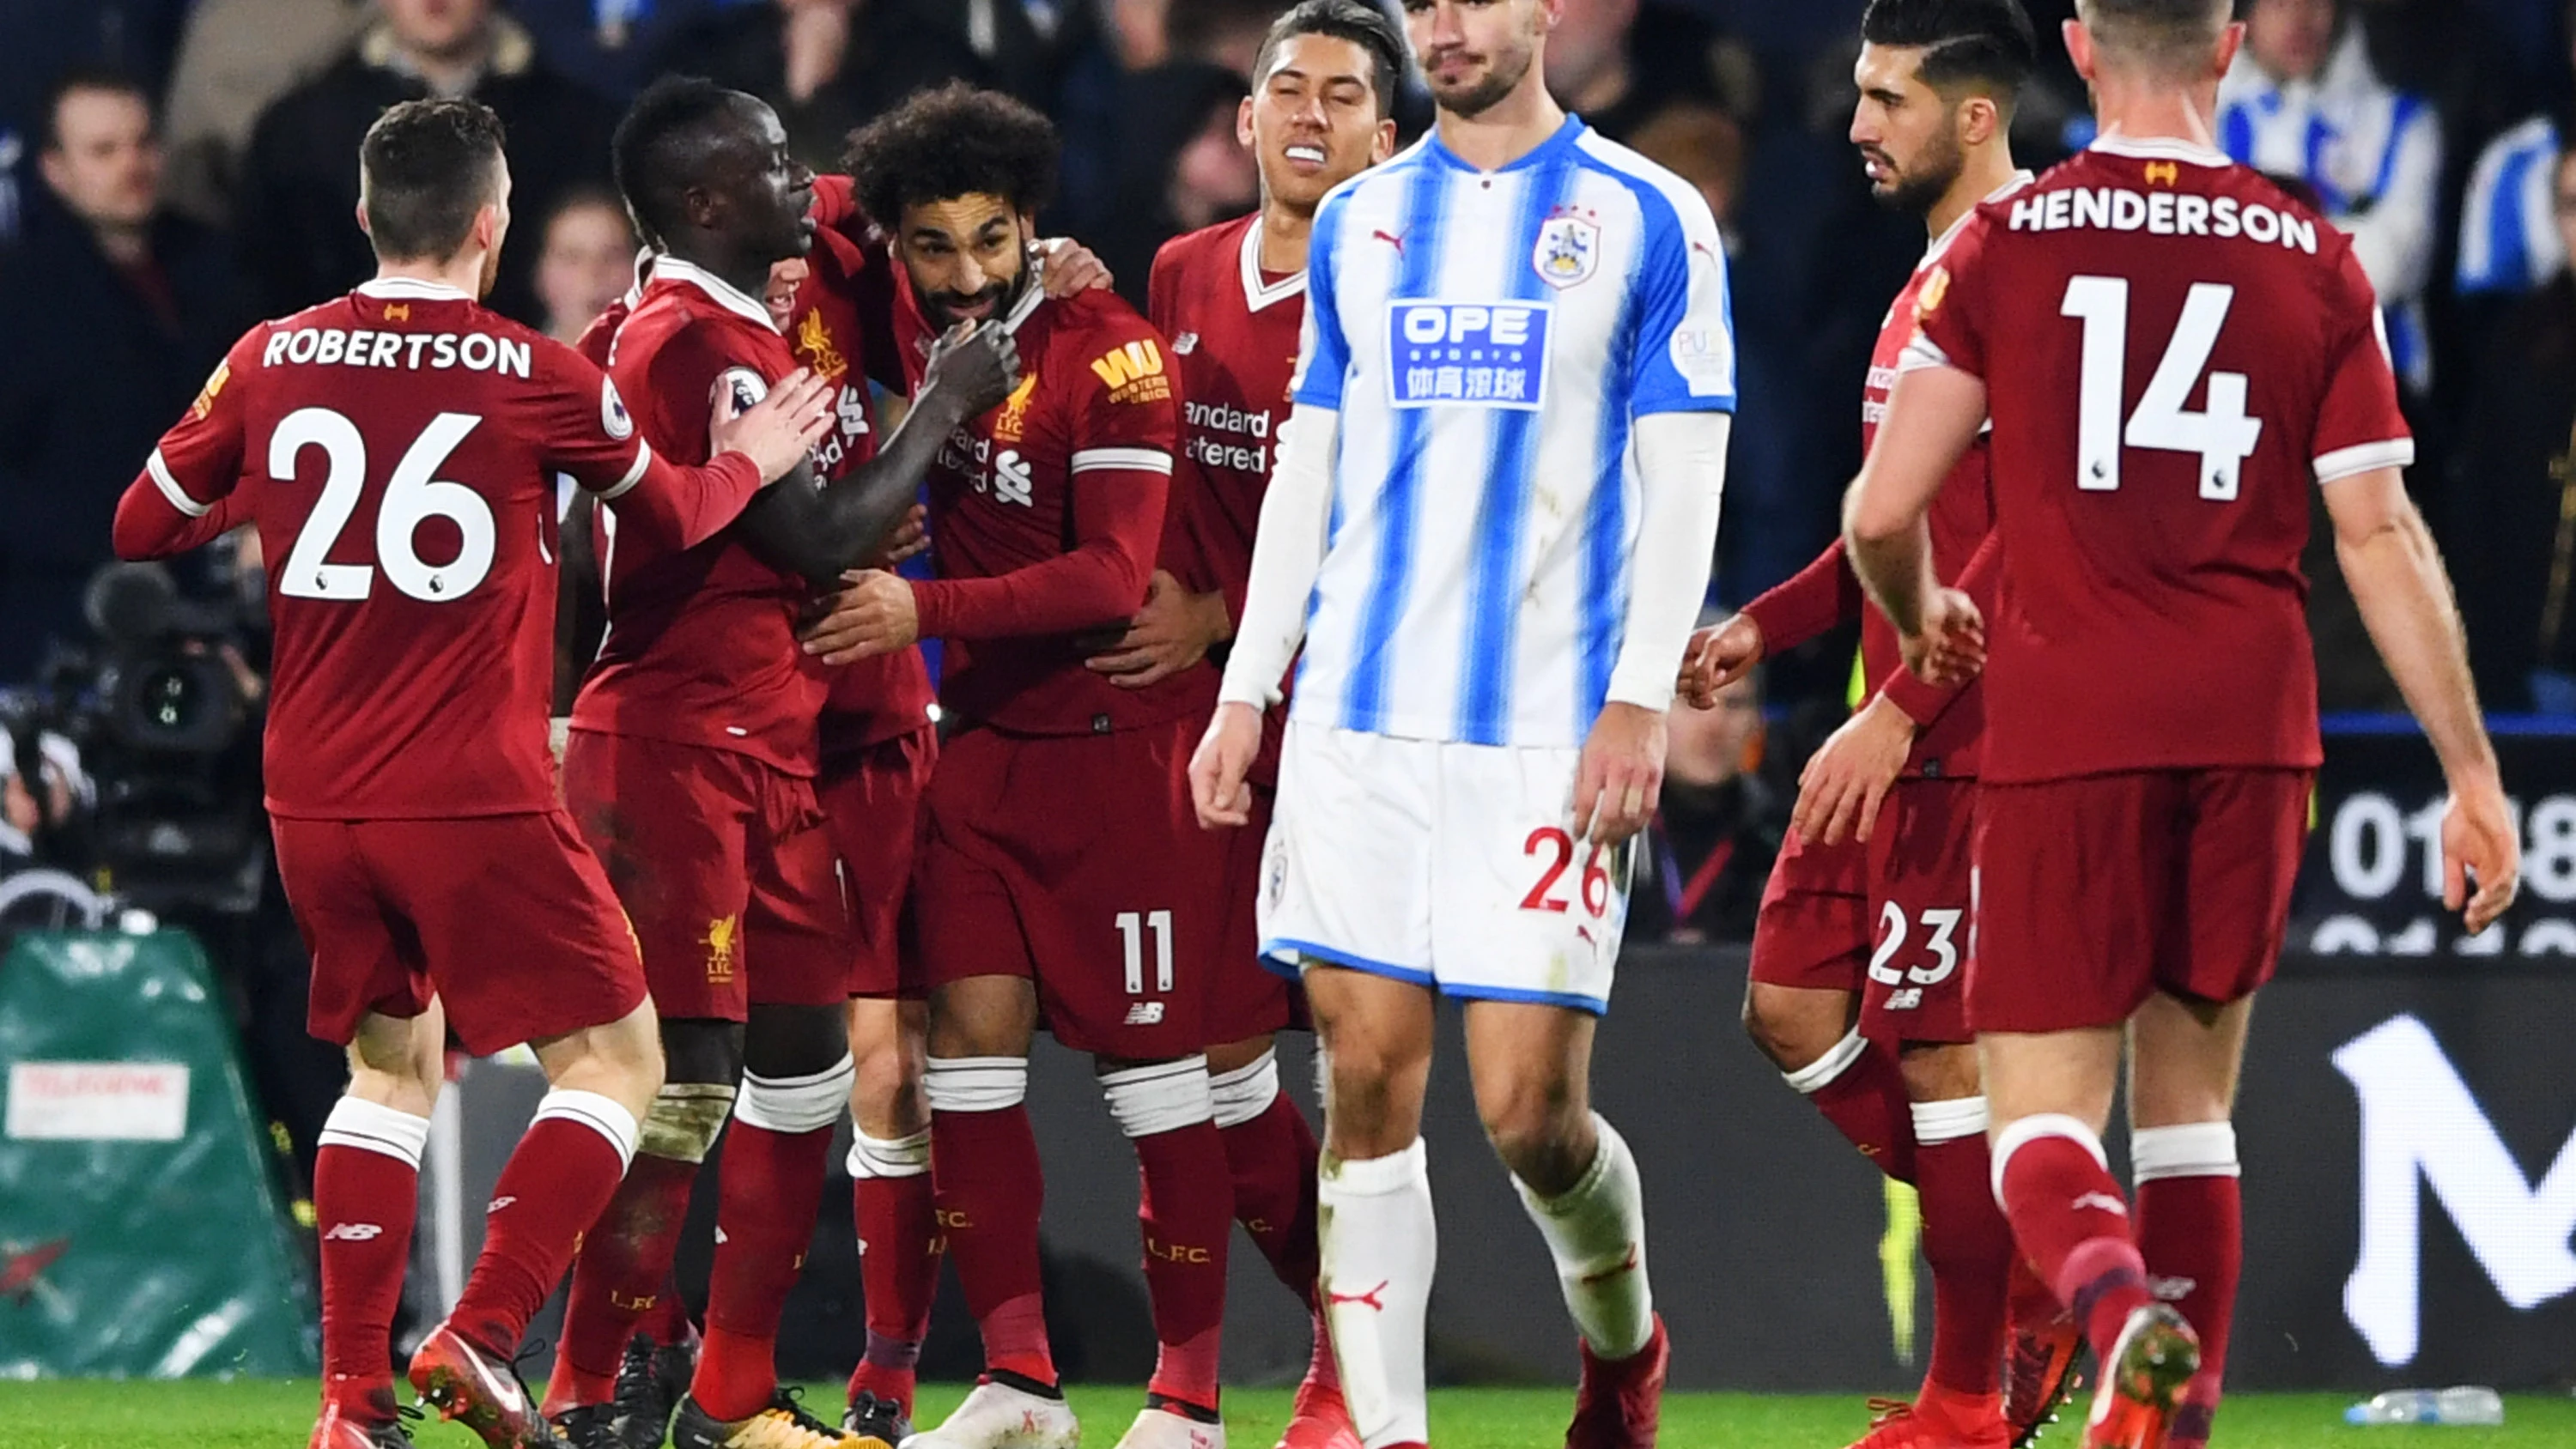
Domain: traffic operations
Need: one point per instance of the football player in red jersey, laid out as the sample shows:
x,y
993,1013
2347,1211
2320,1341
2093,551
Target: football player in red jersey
x,y
433,876
1231,299
2173,351
877,745
691,761
1878,1038
1059,864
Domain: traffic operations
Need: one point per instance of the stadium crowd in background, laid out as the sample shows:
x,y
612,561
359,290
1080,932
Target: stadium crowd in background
x,y
169,168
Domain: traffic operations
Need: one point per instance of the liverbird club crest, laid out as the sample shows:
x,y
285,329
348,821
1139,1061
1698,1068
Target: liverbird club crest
x,y
1568,251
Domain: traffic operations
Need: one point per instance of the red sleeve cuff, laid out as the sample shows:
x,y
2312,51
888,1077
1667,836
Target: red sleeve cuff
x,y
1818,598
1922,703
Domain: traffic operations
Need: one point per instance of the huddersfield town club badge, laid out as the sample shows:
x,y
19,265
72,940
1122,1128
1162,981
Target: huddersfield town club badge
x,y
1569,249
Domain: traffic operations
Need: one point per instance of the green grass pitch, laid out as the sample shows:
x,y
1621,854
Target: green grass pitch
x,y
273,1415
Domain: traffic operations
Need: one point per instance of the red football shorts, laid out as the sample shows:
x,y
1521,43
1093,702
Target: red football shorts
x,y
2093,893
1249,999
872,804
1812,931
1077,861
507,919
1917,983
725,867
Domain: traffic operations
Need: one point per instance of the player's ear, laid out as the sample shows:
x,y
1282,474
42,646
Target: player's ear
x,y
363,228
2079,48
1382,145
1243,122
1979,120
2230,41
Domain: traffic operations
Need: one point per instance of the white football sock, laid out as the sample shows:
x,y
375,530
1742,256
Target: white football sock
x,y
1379,1244
1596,1231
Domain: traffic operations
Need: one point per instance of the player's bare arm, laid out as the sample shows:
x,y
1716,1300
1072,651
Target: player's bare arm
x,y
1716,657
2397,579
1933,414
1850,774
823,531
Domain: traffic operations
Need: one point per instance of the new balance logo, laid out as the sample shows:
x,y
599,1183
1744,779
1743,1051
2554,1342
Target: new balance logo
x,y
2106,1202
1145,1013
2171,1290
353,1233
1375,1298
499,1203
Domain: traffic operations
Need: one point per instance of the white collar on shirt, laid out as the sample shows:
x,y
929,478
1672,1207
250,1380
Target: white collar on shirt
x,y
1258,294
411,289
668,268
1950,234
2159,148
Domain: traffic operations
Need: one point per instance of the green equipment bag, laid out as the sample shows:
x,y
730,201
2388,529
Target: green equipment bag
x,y
141,1230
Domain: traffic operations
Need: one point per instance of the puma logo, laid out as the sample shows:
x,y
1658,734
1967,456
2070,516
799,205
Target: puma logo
x,y
1390,238
1372,1299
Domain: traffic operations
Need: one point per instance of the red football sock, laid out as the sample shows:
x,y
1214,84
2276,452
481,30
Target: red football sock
x,y
1186,1207
988,1187
2191,1226
1860,1089
898,1262
366,1191
621,1281
2068,1216
551,1192
769,1194
1272,1159
1966,1241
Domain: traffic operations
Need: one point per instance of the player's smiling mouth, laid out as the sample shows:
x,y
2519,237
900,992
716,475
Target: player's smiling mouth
x,y
1305,155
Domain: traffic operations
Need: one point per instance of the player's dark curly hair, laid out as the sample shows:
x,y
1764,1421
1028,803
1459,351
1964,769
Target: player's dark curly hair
x,y
660,144
950,142
428,166
1357,21
1985,46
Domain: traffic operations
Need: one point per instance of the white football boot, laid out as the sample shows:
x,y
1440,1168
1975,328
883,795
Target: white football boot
x,y
997,1416
1161,1429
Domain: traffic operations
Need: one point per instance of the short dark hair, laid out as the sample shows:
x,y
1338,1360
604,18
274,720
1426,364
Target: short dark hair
x,y
49,133
2160,32
1985,46
429,166
658,145
1357,21
954,141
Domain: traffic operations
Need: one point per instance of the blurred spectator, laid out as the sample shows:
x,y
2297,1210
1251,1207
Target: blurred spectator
x,y
610,46
1181,166
1703,146
1719,827
236,58
44,39
114,314
585,262
2513,498
299,197
1616,65
2508,236
2302,100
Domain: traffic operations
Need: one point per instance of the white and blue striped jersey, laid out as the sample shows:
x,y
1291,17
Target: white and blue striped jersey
x,y
2508,222
1489,338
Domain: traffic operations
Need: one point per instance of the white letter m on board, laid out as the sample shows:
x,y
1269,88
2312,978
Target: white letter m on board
x,y
2417,1116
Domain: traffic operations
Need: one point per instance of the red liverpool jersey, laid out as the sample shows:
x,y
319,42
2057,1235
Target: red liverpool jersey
x,y
2174,352
397,449
1233,330
701,645
1047,516
1827,594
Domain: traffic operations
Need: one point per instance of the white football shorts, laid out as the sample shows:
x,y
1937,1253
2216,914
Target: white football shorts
x,y
1447,865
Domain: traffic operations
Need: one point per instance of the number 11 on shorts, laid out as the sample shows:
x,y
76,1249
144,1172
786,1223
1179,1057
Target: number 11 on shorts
x,y
1132,926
